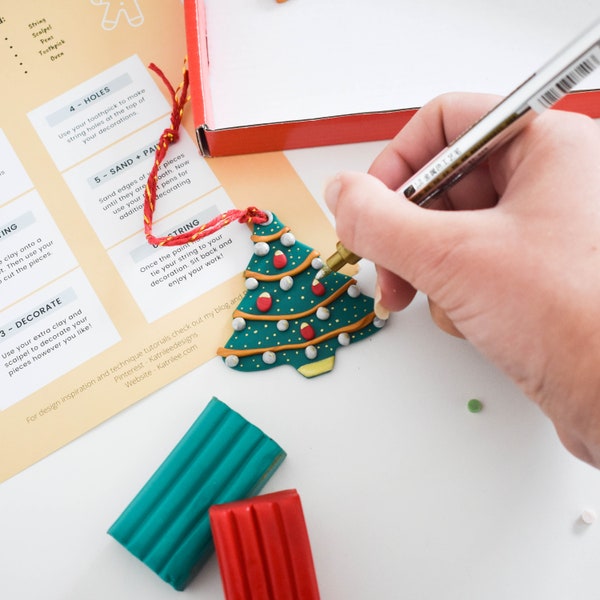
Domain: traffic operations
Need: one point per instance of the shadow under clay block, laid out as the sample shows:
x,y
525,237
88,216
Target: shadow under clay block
x,y
220,459
263,548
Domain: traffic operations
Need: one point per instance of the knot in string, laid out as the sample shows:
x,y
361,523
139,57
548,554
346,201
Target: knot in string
x,y
171,135
253,215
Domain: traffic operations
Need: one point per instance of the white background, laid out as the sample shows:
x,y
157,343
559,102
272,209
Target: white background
x,y
406,494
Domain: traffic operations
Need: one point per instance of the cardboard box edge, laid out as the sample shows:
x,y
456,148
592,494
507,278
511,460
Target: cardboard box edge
x,y
303,133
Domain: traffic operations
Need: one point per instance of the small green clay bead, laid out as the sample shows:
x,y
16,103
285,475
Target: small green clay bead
x,y
475,405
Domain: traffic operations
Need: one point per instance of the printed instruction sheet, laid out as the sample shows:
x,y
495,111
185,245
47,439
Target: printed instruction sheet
x,y
92,317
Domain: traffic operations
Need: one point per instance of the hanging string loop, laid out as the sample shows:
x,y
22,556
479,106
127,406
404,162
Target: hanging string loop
x,y
179,98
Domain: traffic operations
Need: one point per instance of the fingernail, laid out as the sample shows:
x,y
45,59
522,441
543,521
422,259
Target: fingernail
x,y
332,191
380,311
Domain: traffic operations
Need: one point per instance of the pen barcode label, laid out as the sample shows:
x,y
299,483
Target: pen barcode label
x,y
566,81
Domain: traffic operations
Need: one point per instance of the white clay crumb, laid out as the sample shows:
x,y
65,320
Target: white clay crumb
x,y
589,516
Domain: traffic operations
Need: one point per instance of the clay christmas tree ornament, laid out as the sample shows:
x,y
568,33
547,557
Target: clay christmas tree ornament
x,y
287,316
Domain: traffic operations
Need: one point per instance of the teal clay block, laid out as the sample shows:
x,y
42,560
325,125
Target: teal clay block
x,y
222,458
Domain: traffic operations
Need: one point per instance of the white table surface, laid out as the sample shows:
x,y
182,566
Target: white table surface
x,y
406,494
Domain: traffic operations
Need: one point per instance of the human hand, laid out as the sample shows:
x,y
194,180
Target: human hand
x,y
514,259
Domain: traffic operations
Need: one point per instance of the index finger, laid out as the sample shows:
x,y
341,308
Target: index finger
x,y
431,129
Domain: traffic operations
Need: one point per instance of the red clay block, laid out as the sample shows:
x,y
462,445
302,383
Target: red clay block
x,y
263,548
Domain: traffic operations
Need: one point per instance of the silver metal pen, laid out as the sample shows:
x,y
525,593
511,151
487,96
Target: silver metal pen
x,y
537,94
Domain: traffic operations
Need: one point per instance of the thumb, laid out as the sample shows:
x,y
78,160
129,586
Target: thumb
x,y
423,247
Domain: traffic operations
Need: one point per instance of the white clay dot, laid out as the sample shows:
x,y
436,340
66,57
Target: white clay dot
x,y
269,357
589,516
323,313
317,263
286,283
261,248
232,361
354,291
239,323
344,339
269,215
288,239
251,283
283,325
311,352
379,323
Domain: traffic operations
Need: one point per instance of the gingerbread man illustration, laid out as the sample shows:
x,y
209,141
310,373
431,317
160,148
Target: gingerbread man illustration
x,y
117,9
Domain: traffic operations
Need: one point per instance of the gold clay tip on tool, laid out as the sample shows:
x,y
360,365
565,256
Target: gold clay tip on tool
x,y
341,257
